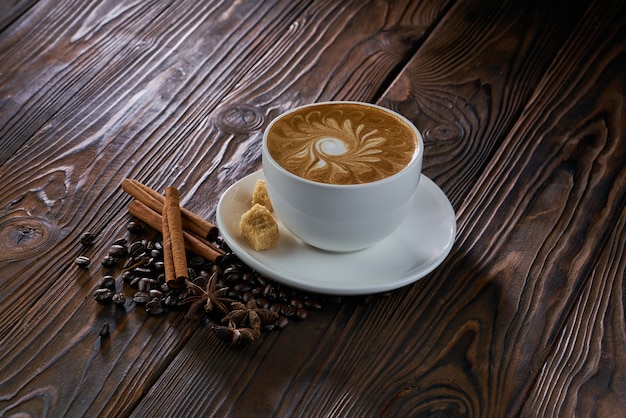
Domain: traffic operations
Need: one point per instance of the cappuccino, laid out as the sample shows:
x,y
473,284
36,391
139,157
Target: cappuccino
x,y
342,143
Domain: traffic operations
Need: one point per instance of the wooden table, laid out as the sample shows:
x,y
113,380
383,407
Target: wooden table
x,y
523,109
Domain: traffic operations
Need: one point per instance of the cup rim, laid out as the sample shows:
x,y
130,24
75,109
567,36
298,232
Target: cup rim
x,y
419,150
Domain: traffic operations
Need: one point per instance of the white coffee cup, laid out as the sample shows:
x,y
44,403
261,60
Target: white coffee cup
x,y
341,217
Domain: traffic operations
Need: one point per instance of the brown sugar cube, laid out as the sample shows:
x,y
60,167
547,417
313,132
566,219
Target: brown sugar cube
x,y
260,196
259,228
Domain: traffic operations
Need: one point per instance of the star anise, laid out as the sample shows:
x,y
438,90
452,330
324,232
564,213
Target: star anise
x,y
208,300
236,336
251,314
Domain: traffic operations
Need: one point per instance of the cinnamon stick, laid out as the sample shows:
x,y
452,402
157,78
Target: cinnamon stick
x,y
193,243
168,257
171,219
155,200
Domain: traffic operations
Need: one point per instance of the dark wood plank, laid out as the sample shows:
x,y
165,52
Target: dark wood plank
x,y
168,115
584,371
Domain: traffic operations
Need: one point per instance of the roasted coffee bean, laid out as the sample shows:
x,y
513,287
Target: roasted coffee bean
x,y
277,307
140,257
260,280
247,296
196,260
108,261
242,287
82,261
248,277
118,251
269,291
154,307
127,276
87,238
263,303
229,259
204,274
107,282
134,226
283,295
288,310
232,279
120,241
302,314
103,295
142,271
297,302
156,254
134,283
141,297
171,300
119,298
155,293
233,294
136,247
144,284
282,322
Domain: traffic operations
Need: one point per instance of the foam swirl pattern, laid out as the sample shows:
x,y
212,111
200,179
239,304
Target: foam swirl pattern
x,y
346,144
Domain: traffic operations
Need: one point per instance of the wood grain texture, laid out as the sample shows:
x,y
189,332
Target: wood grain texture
x,y
172,113
98,136
11,10
467,88
455,375
522,109
530,232
584,373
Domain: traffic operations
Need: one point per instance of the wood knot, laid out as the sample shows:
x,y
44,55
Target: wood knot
x,y
24,236
240,119
442,134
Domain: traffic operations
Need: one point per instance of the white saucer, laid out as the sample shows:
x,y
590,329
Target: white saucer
x,y
415,249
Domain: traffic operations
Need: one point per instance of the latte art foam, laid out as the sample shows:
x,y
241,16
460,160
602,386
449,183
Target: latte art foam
x,y
342,143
